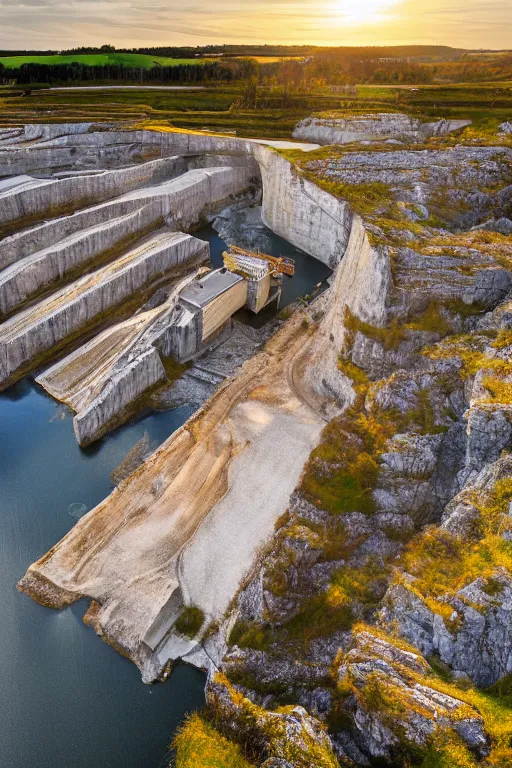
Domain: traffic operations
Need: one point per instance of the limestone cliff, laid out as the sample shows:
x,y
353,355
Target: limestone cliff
x,y
373,620
396,127
400,529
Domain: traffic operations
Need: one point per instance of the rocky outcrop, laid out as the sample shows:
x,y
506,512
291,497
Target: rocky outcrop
x,y
410,353
391,697
469,628
289,737
373,127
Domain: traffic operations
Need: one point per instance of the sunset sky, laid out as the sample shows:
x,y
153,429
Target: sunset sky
x,y
65,23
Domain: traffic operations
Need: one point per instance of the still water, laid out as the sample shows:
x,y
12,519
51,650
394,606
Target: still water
x,y
68,700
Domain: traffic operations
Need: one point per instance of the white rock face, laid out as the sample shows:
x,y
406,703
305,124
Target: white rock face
x,y
39,328
48,233
46,267
84,149
373,127
102,378
301,212
34,197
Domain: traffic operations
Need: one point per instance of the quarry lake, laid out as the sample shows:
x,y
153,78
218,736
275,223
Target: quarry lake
x,y
67,699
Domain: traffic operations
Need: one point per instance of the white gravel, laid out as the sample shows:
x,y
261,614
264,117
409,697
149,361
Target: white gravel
x,y
261,479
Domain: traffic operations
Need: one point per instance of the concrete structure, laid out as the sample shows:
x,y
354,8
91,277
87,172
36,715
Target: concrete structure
x,y
208,304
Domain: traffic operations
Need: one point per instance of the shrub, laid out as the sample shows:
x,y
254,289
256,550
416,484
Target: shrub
x,y
249,635
189,621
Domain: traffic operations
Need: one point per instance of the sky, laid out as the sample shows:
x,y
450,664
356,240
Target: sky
x,y
60,24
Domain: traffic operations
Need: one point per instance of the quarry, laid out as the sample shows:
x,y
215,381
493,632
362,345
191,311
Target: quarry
x,y
360,447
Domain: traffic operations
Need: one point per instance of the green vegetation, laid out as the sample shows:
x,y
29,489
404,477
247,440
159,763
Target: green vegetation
x,y
249,635
199,745
390,336
265,735
140,60
277,108
342,471
190,621
443,564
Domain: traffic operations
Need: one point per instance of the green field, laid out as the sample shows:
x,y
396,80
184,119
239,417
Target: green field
x,y
140,60
215,108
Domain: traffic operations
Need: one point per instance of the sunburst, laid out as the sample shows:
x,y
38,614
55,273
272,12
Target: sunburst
x,y
362,11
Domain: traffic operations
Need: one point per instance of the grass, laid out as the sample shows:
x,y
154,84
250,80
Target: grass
x,y
390,336
342,471
199,745
215,108
442,563
444,749
249,635
471,349
190,621
140,60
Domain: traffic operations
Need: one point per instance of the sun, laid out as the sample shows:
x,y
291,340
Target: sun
x,y
362,11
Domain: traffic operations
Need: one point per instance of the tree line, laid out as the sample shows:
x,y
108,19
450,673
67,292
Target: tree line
x,y
58,74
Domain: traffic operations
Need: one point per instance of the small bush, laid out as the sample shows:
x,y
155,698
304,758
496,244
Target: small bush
x,y
390,337
285,313
189,621
249,635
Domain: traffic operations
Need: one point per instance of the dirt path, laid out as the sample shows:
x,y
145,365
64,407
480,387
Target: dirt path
x,y
212,492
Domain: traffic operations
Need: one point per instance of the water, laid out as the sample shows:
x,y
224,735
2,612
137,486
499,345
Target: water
x,y
68,700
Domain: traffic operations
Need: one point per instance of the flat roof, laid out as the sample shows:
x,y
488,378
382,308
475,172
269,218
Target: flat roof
x,y
201,292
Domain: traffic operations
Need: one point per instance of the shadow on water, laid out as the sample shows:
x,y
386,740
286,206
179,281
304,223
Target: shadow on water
x,y
68,700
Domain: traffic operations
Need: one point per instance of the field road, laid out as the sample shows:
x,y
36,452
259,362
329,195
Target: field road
x,y
125,88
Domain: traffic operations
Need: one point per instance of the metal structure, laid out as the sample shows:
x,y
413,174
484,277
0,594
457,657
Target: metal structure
x,y
256,265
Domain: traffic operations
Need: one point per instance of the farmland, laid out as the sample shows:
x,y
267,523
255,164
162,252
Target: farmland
x,y
219,108
140,60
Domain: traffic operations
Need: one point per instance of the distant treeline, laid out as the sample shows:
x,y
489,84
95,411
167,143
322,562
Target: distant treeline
x,y
334,69
439,52
26,53
54,74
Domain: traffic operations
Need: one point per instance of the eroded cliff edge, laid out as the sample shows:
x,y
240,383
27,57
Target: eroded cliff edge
x,y
382,608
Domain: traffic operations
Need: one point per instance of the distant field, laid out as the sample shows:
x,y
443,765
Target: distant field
x,y
273,59
140,60
215,108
